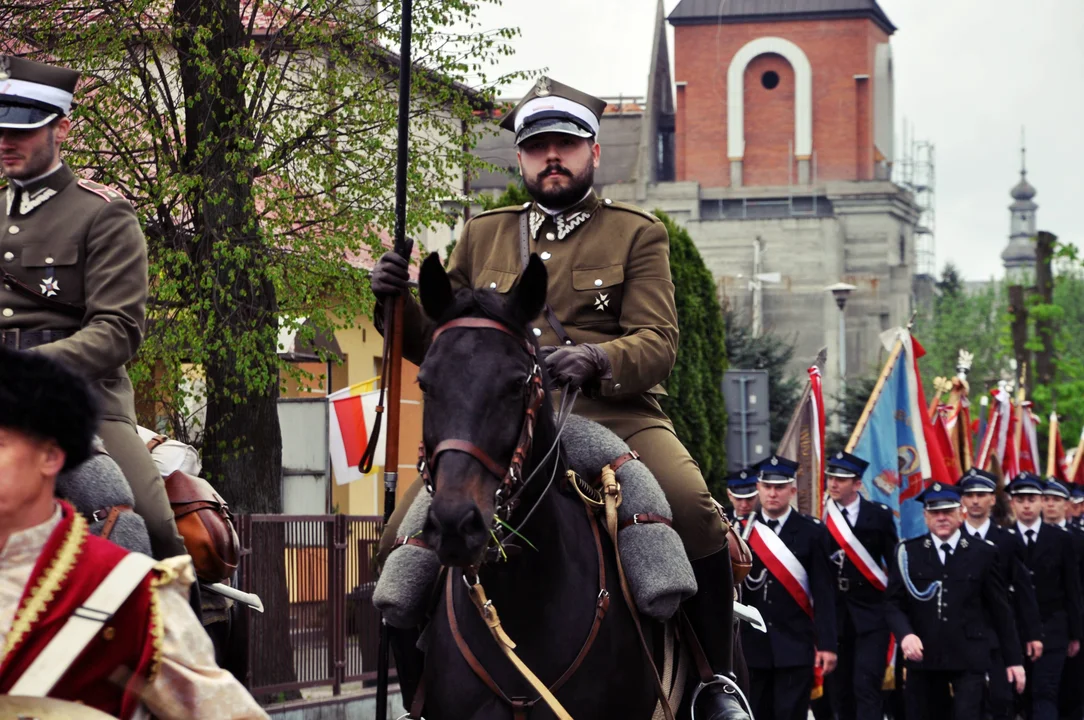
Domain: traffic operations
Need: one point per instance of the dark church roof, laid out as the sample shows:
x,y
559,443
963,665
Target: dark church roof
x,y
712,12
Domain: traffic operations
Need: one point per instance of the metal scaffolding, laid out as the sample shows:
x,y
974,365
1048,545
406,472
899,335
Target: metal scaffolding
x,y
916,172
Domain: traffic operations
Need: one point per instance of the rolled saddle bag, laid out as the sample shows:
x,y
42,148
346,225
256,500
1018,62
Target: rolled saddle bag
x,y
206,524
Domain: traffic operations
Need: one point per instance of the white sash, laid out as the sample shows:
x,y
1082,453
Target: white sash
x,y
844,535
782,564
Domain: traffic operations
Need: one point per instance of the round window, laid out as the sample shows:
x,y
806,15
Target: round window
x,y
770,80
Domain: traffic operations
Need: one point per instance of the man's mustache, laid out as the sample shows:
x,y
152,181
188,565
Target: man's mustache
x,y
553,170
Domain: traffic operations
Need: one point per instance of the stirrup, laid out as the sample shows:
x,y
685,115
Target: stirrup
x,y
730,687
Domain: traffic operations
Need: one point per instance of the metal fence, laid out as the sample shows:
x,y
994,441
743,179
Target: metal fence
x,y
314,575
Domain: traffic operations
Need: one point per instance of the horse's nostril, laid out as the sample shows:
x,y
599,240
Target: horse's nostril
x,y
471,523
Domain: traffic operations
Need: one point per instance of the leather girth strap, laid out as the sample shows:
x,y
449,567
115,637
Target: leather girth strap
x,y
521,706
524,257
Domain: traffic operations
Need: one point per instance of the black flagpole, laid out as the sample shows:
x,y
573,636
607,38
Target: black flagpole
x,y
393,324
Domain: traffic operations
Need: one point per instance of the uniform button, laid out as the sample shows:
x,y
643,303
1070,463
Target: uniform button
x,y
568,342
48,261
537,332
551,236
493,286
546,256
13,229
9,256
8,312
608,201
598,282
6,286
617,386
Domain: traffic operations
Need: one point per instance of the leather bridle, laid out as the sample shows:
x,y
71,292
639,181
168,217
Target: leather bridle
x,y
512,483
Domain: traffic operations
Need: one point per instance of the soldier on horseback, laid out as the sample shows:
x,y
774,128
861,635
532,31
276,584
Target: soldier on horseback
x,y
609,329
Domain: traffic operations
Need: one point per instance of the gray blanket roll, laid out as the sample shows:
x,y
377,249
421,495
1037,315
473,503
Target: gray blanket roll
x,y
659,574
98,484
657,568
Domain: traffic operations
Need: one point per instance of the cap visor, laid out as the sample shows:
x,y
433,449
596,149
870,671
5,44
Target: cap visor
x,y
776,480
943,505
561,126
744,493
984,490
845,474
20,117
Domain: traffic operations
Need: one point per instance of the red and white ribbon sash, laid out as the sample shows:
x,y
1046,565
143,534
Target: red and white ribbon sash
x,y
782,564
844,535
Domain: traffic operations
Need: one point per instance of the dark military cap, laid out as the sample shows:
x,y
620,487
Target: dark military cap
x,y
743,483
844,465
940,496
1056,488
777,470
552,107
33,94
1025,484
41,398
978,481
1077,493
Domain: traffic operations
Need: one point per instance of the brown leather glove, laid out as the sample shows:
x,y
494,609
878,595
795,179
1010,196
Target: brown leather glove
x,y
578,366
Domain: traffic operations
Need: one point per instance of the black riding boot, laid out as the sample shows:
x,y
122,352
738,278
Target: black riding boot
x,y
711,613
409,660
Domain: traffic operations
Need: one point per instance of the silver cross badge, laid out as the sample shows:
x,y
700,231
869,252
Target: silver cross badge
x,y
602,302
50,287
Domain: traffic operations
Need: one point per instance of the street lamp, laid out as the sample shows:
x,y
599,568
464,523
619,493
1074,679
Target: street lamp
x,y
841,291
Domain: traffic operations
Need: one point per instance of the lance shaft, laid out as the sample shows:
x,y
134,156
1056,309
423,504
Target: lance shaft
x,y
394,324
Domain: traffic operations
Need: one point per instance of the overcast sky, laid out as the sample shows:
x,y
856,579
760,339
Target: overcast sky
x,y
969,74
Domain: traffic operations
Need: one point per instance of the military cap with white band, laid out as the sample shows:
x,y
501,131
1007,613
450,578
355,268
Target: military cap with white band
x,y
552,107
33,94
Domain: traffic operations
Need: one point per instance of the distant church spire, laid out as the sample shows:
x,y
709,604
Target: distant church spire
x,y
1020,253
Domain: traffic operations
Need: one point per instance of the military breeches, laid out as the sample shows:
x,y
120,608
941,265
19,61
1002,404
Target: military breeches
x,y
122,442
696,520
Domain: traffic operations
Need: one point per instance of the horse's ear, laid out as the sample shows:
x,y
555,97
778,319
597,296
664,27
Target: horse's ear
x,y
530,294
435,288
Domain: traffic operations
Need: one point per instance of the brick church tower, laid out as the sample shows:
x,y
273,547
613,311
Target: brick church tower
x,y
782,92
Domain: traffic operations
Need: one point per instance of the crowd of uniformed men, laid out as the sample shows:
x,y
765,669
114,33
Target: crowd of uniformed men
x,y
973,619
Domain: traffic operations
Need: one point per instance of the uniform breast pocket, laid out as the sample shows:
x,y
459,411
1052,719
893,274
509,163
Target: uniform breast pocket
x,y
497,280
598,294
55,271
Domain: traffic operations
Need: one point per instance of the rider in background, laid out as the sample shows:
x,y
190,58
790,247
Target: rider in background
x,y
609,329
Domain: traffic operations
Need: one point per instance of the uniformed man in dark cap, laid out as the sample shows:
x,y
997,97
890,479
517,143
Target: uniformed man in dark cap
x,y
860,542
1051,559
979,490
741,488
73,265
946,603
609,328
791,585
1076,509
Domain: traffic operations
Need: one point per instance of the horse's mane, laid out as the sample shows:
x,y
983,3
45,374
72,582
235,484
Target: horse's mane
x,y
486,303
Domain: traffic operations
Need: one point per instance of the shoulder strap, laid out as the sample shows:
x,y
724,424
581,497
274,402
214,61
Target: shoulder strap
x,y
20,288
524,258
82,626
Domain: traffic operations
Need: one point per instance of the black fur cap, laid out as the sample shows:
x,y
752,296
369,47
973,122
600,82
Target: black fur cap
x,y
41,398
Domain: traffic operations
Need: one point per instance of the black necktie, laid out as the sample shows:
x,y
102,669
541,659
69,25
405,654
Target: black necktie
x,y
947,549
1029,551
977,536
846,515
773,524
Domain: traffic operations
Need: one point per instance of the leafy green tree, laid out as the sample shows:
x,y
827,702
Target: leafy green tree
x,y
257,141
767,352
695,387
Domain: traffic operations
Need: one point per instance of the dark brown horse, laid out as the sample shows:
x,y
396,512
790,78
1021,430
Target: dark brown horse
x,y
493,461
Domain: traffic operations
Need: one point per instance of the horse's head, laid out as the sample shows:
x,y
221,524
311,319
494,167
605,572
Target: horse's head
x,y
482,381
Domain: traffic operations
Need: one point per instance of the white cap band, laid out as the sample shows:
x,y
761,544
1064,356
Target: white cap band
x,y
37,91
554,103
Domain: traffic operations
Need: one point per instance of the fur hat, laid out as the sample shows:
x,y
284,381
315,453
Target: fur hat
x,y
41,398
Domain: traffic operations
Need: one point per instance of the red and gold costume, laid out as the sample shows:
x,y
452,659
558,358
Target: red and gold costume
x,y
153,651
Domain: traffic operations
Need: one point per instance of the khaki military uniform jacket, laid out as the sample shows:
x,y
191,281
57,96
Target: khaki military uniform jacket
x,y
78,242
609,284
